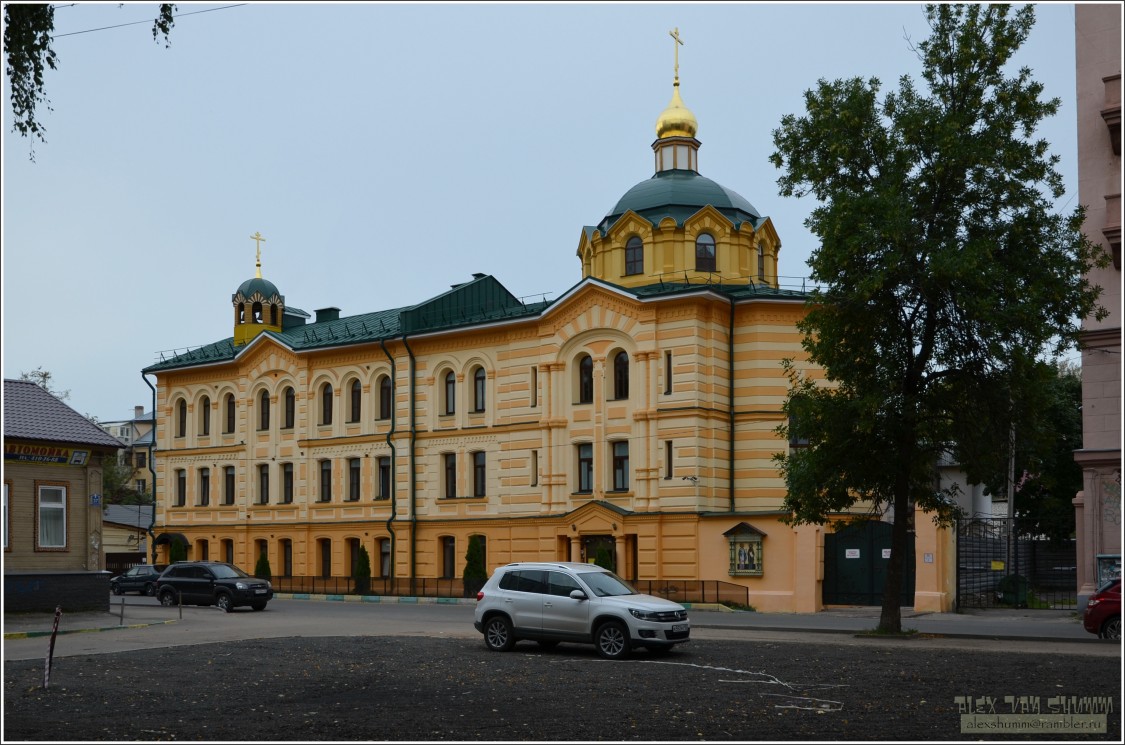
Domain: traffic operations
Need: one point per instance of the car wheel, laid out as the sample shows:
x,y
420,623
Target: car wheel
x,y
116,589
498,634
223,602
547,643
258,606
1111,629
167,598
150,589
612,640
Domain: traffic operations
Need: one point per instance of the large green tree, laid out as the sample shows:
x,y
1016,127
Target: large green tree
x,y
28,38
942,273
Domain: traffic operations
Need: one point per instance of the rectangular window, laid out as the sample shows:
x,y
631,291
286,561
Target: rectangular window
x,y
228,485
286,558
353,479
142,486
263,484
796,438
230,414
228,551
620,466
585,468
450,461
204,487
667,373
479,474
181,487
142,460
325,481
535,468
668,459
286,483
52,517
384,478
5,516
534,394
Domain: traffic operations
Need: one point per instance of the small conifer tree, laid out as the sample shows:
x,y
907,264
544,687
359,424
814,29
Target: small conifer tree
x,y
262,568
177,551
475,573
362,572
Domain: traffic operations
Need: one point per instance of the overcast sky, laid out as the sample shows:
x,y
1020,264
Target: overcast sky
x,y
386,152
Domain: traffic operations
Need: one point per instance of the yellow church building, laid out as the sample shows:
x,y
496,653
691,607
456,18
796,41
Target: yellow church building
x,y
631,419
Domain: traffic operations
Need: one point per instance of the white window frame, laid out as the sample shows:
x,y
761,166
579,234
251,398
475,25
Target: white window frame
x,y
40,507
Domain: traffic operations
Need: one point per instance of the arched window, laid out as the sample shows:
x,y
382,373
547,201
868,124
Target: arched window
x,y
704,253
230,414
634,256
621,375
450,393
356,400
205,416
326,404
257,312
264,411
478,389
273,315
585,380
761,263
290,407
181,418
385,394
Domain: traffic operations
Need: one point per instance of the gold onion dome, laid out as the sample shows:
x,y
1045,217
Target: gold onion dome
x,y
676,120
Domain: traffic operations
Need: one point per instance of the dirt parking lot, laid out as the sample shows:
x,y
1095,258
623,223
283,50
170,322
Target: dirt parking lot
x,y
435,689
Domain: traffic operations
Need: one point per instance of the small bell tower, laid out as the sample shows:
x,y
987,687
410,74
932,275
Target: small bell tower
x,y
258,306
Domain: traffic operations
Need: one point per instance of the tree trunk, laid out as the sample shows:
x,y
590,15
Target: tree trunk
x,y
890,620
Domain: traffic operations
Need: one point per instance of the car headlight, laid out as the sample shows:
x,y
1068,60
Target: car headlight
x,y
242,585
645,615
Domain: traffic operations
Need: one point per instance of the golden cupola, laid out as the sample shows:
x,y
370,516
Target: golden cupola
x,y
676,147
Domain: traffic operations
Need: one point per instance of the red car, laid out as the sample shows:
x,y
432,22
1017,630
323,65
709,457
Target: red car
x,y
1103,611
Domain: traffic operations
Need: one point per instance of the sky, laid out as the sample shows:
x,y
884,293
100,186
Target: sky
x,y
389,151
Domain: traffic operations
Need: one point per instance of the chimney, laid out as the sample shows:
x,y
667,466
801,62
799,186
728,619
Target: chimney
x,y
327,314
138,412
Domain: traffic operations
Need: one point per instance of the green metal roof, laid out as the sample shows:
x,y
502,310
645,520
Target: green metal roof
x,y
679,194
481,301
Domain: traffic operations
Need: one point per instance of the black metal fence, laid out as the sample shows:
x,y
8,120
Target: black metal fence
x,y
680,591
998,568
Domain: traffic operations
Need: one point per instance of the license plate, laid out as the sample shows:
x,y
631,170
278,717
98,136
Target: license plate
x,y
677,628
259,592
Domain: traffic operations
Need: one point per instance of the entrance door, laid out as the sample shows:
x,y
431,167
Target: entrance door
x,y
855,565
600,550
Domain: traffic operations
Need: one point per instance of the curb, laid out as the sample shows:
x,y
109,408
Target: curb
x,y
891,638
60,632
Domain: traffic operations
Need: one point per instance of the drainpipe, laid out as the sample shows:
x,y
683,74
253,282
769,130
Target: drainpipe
x,y
394,457
730,378
413,480
152,473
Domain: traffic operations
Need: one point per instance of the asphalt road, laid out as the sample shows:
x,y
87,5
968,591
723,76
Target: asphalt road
x,y
313,671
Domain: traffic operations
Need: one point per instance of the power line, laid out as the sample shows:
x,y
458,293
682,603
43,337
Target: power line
x,y
136,23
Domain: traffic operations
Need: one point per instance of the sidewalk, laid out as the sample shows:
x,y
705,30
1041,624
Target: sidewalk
x,y
1029,625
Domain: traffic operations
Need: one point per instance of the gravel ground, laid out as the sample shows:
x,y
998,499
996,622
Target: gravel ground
x,y
433,689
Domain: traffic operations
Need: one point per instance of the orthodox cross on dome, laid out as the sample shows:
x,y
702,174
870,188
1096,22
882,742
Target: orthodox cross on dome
x,y
675,34
257,238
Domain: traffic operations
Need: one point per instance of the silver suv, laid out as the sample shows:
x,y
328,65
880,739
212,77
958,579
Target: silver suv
x,y
570,602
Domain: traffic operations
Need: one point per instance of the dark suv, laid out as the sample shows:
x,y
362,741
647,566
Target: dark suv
x,y
141,578
212,583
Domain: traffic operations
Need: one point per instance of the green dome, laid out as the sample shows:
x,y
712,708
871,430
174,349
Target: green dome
x,y
679,194
255,285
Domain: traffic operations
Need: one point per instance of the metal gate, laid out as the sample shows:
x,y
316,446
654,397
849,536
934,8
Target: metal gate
x,y
998,568
855,565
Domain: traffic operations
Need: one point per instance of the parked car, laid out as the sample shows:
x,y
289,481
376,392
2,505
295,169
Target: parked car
x,y
571,602
141,578
1103,611
212,583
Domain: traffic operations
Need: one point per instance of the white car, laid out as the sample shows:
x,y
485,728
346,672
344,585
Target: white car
x,y
571,602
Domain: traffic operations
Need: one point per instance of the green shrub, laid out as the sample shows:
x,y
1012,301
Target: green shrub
x,y
262,568
362,572
177,551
